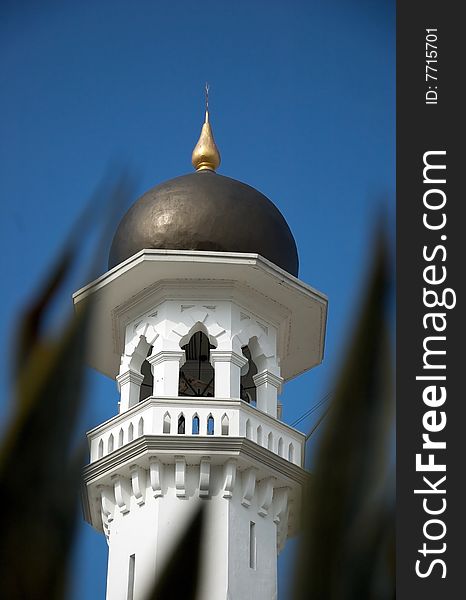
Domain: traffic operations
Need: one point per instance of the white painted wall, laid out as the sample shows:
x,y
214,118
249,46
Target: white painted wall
x,y
149,527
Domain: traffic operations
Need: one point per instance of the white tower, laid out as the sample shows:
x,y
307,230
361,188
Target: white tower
x,y
200,320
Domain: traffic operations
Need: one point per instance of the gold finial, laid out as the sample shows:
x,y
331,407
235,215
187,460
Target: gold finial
x,y
205,153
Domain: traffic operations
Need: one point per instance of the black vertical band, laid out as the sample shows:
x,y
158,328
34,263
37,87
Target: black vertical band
x,y
431,257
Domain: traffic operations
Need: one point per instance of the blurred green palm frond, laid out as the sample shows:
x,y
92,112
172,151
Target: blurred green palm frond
x,y
348,509
184,566
40,469
39,476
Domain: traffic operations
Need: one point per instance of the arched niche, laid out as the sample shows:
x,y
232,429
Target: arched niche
x,y
147,384
197,376
136,351
130,378
248,391
262,368
260,346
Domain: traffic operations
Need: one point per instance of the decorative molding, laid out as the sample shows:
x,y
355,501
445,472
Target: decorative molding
x,y
249,486
180,476
108,501
229,478
266,496
204,477
138,483
280,501
122,495
169,445
268,377
197,316
155,470
129,377
229,356
184,307
281,511
264,328
167,355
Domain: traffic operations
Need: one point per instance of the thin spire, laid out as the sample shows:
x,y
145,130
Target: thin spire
x,y
206,102
206,154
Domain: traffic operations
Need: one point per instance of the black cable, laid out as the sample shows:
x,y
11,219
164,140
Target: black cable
x,y
312,409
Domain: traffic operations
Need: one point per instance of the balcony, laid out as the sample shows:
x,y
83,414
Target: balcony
x,y
197,417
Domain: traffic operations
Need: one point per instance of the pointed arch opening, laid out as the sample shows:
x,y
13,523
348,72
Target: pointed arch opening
x,y
225,425
210,425
259,435
270,441
196,425
141,427
197,374
130,432
100,451
248,391
248,429
167,422
181,424
280,447
120,438
291,452
147,385
110,443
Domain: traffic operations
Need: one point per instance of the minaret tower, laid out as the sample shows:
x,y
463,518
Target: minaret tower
x,y
200,319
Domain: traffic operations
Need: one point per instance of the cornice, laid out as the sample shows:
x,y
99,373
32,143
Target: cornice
x,y
196,448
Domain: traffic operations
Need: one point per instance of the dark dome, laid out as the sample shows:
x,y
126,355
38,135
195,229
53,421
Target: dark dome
x,y
205,211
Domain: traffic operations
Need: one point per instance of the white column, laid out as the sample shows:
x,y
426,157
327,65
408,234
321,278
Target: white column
x,y
129,386
227,367
166,366
268,387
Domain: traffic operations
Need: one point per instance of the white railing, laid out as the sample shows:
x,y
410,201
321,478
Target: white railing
x,y
196,417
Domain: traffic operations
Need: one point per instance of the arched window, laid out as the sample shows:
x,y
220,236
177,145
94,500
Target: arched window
x,y
130,432
195,425
259,435
270,441
181,424
210,425
100,451
141,427
197,374
120,438
166,423
280,446
291,453
225,424
248,430
110,443
147,384
248,387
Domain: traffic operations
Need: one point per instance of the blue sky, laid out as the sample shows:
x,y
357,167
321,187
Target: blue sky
x,y
302,107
